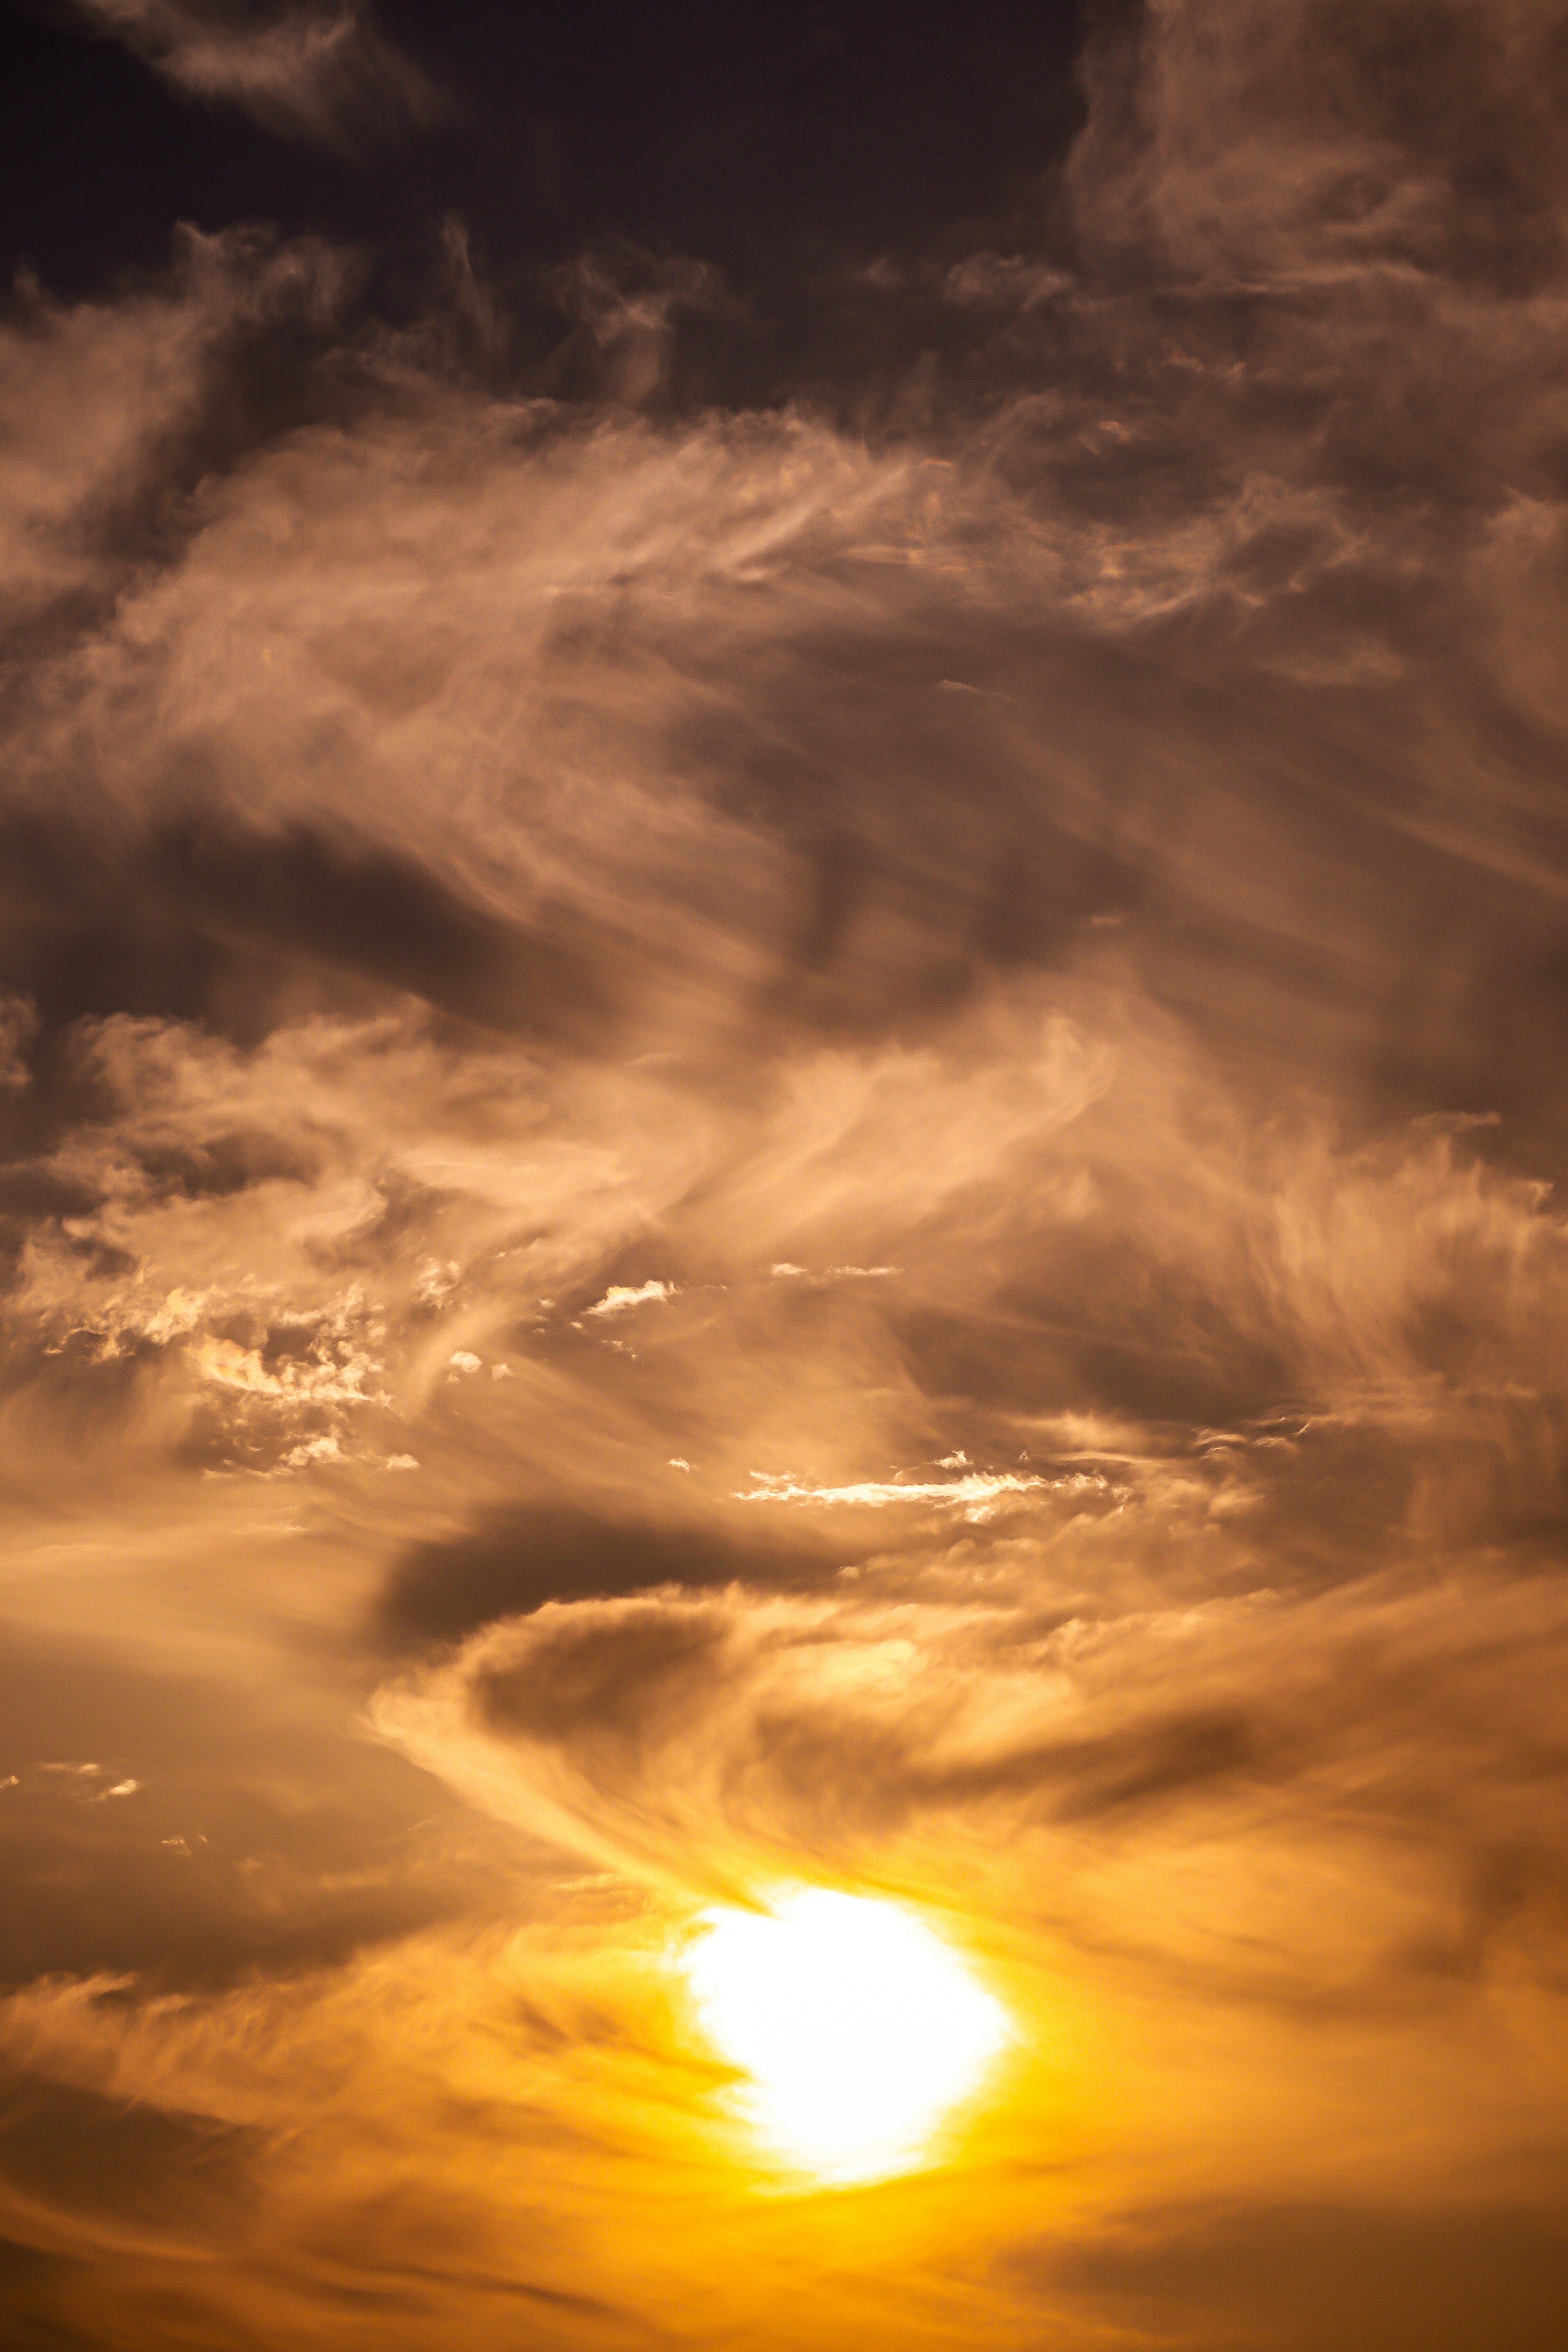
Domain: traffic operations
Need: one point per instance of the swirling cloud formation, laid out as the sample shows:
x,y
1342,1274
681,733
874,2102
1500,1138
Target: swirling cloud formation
x,y
800,1140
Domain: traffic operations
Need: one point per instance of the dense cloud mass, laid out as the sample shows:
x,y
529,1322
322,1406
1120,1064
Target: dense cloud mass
x,y
807,1135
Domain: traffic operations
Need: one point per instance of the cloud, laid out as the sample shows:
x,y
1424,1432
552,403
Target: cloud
x,y
121,403
522,1555
978,1491
1228,1750
323,76
212,1860
465,844
1296,2276
620,1297
786,1272
261,1286
625,305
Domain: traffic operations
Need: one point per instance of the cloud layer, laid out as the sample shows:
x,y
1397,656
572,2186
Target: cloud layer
x,y
768,1144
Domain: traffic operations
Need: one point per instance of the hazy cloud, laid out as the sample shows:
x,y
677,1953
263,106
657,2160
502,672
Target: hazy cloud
x,y
327,77
1029,912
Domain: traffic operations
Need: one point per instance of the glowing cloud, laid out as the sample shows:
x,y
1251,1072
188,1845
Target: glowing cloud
x,y
983,789
620,1297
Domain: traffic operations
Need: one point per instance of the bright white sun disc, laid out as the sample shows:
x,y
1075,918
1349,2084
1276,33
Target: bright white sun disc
x,y
857,2027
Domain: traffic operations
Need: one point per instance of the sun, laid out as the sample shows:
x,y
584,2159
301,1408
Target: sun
x,y
858,2027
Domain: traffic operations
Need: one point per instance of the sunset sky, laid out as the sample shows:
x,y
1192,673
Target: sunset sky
x,y
783,1084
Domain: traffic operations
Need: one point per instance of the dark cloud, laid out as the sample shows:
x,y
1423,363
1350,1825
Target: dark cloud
x,y
1155,1764
210,1863
30,2282
527,1554
240,929
124,2166
1309,2277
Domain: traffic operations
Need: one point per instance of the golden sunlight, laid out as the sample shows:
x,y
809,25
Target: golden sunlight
x,y
858,2027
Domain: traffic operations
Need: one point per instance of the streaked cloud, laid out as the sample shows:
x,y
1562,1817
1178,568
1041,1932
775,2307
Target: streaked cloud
x,y
975,1491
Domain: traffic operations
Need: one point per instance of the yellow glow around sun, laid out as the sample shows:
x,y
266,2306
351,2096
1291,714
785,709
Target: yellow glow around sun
x,y
858,2027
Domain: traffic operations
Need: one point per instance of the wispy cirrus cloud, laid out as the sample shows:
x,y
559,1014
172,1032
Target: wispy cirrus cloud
x,y
324,75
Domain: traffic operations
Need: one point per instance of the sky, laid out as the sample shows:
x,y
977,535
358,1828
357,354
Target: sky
x,y
784,983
